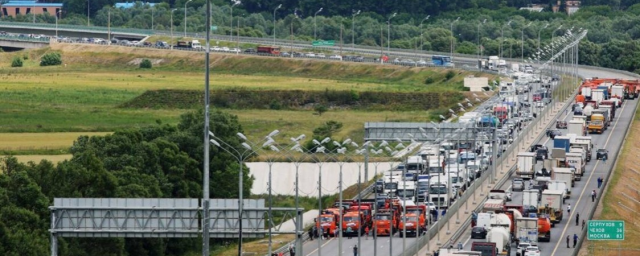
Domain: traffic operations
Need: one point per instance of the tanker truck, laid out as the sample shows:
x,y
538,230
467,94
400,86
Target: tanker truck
x,y
501,237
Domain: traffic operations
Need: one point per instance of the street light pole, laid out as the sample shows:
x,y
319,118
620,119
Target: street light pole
x,y
421,35
452,36
185,18
389,33
522,42
502,38
315,36
235,2
172,39
58,12
205,182
151,17
485,20
540,31
353,29
274,23
88,11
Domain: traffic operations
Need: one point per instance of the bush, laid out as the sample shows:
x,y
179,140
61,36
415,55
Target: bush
x,y
51,59
16,62
429,80
146,63
450,74
320,109
25,57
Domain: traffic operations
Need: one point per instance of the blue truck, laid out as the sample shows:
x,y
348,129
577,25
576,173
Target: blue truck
x,y
563,142
442,61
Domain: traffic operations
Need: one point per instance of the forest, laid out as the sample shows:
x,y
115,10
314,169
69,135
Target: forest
x,y
160,161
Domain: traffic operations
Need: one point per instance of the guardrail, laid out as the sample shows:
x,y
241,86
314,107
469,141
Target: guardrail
x,y
78,28
25,38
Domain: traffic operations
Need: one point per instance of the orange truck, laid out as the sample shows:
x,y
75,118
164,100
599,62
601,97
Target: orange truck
x,y
352,223
421,212
544,229
385,222
328,222
366,213
410,222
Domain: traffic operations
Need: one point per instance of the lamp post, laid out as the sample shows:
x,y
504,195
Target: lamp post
x,y
88,11
353,29
479,46
151,17
172,39
235,2
452,37
297,162
389,33
33,10
241,154
540,31
314,24
57,13
522,42
185,18
502,38
421,34
274,23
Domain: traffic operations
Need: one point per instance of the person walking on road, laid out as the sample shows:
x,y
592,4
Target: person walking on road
x,y
604,159
583,222
569,209
577,218
355,250
366,233
593,196
599,182
568,239
575,240
460,246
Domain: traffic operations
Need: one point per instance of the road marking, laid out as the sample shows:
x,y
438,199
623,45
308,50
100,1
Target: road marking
x,y
325,243
593,170
466,241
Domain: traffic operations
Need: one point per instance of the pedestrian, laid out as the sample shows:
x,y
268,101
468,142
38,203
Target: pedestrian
x,y
599,182
593,196
311,233
349,230
292,250
604,159
568,241
577,218
583,222
366,233
460,246
575,240
355,250
569,209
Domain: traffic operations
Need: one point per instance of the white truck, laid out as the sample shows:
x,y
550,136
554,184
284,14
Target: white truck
x,y
576,127
439,192
597,95
551,204
527,230
525,166
435,165
502,238
406,190
575,159
617,91
564,174
530,198
493,205
560,186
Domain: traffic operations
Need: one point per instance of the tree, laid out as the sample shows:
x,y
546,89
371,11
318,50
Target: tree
x,y
16,62
320,109
51,59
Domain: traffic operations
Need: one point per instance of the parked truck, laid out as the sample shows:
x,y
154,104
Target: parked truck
x,y
563,142
493,205
385,222
560,186
576,127
564,174
525,166
551,205
585,143
544,228
527,230
575,159
530,199
485,248
597,124
606,113
502,238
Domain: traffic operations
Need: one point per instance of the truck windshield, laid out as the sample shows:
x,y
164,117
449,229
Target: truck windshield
x,y
326,219
414,167
405,192
383,217
410,218
391,185
437,189
351,218
435,169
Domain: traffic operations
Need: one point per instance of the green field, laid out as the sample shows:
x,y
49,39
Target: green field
x,y
85,93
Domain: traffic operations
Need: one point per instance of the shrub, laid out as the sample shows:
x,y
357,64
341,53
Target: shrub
x,y
429,80
25,57
16,62
320,109
146,63
51,59
450,74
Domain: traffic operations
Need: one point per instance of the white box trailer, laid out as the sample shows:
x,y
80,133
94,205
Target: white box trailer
x,y
576,127
527,230
526,163
560,186
575,159
530,198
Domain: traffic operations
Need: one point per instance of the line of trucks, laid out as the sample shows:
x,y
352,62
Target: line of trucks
x,y
598,99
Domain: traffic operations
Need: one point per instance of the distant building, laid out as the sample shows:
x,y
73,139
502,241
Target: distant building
x,y
128,5
13,8
570,6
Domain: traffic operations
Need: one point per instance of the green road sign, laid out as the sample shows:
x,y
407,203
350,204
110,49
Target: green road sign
x,y
324,43
605,230
214,28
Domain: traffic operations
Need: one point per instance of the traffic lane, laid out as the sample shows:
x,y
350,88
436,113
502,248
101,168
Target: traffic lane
x,y
330,247
583,204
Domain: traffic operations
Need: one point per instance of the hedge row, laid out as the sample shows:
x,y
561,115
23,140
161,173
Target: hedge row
x,y
295,99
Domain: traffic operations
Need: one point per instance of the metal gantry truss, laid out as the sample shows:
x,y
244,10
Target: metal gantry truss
x,y
160,218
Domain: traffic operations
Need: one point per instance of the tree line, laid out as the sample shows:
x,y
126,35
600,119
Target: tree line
x,y
160,161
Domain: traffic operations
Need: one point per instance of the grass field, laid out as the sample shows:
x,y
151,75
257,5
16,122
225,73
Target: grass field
x,y
45,141
622,200
37,158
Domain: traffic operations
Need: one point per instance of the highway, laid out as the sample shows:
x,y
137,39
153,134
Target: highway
x,y
580,200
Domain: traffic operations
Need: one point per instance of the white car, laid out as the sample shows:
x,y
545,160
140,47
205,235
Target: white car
x,y
522,247
320,55
430,205
225,49
421,62
310,54
532,251
335,57
215,48
235,50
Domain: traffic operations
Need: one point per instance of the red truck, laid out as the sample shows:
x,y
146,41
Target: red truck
x,y
269,50
486,249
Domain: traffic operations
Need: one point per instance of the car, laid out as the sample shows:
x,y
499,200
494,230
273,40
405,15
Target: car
x,y
335,57
285,54
235,50
535,148
522,247
225,49
555,133
162,44
430,205
561,124
517,184
532,250
310,55
602,153
320,55
478,233
215,48
542,154
421,63
249,50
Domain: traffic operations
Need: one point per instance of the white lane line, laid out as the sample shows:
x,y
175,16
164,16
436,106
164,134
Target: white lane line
x,y
593,170
323,245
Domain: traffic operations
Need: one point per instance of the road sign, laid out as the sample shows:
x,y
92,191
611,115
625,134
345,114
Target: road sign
x,y
214,28
324,43
605,230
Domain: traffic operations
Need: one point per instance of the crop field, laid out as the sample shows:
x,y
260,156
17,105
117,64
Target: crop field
x,y
621,200
45,141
